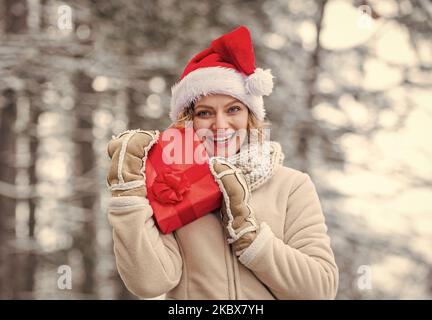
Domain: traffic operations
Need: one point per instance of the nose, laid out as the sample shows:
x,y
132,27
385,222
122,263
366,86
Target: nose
x,y
221,122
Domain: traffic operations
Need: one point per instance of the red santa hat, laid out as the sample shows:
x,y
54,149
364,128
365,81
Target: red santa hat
x,y
226,67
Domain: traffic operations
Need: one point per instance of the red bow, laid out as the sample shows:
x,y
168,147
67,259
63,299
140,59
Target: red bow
x,y
170,185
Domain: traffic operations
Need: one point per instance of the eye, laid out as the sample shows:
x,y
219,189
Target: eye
x,y
233,109
202,113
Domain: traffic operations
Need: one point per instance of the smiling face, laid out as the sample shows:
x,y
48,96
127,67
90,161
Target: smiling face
x,y
221,122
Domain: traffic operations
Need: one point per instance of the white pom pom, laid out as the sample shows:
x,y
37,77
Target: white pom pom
x,y
260,83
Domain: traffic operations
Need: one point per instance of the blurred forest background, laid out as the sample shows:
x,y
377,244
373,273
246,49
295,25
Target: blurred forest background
x,y
352,106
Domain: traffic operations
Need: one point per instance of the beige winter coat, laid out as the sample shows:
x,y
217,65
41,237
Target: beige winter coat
x,y
290,259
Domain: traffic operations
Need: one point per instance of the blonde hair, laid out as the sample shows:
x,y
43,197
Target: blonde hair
x,y
253,122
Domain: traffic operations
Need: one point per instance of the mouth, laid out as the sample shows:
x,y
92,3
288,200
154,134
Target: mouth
x,y
221,139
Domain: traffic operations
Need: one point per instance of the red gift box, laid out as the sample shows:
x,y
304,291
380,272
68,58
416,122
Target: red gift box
x,y
180,186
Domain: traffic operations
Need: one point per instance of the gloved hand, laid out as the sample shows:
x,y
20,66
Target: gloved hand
x,y
237,215
128,152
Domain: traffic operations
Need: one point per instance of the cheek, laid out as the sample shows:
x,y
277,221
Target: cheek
x,y
241,121
200,124
201,127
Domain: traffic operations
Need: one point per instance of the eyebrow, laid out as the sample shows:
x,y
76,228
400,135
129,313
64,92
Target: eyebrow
x,y
210,107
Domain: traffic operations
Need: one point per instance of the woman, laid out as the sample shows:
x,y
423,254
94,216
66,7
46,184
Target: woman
x,y
269,239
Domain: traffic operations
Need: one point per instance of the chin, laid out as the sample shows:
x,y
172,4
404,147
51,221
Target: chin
x,y
221,152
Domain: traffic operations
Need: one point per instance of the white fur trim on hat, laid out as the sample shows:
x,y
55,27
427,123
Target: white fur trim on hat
x,y
204,81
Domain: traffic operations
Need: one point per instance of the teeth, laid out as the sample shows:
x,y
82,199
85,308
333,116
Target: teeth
x,y
222,139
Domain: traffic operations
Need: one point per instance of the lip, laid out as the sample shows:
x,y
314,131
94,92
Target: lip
x,y
220,140
220,145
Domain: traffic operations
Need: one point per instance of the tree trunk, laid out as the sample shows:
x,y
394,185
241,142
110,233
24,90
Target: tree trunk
x,y
8,113
84,164
31,258
306,128
16,16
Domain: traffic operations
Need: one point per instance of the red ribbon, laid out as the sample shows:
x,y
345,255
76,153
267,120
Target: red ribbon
x,y
170,185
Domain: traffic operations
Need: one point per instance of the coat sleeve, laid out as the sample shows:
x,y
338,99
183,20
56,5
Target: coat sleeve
x,y
302,264
148,261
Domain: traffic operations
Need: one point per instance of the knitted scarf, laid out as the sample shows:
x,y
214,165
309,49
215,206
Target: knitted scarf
x,y
258,162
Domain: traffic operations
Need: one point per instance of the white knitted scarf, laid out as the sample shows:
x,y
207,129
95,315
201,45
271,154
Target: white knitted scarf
x,y
258,162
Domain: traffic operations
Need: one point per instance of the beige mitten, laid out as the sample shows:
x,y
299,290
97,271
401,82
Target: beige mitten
x,y
128,152
237,215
